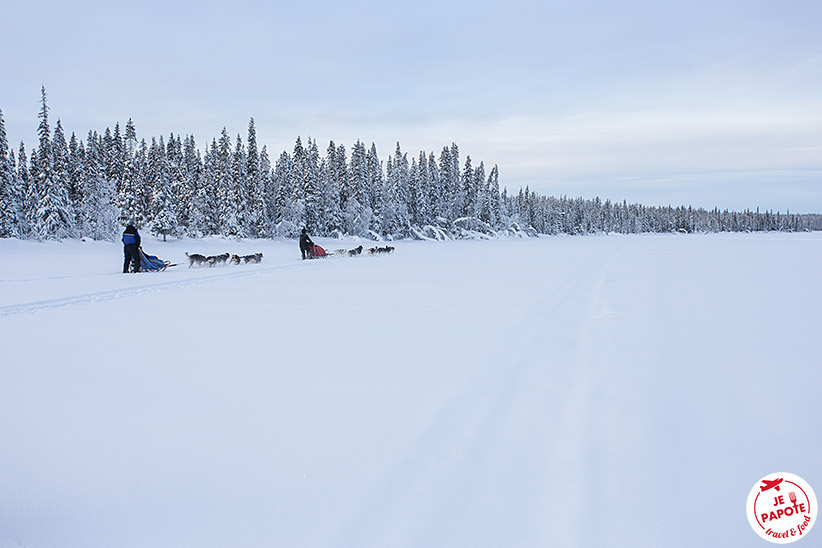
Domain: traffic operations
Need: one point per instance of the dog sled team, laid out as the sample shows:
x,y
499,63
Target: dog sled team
x,y
136,260
310,250
212,260
358,250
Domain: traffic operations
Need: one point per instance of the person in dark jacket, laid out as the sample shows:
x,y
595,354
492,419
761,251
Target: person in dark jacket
x,y
306,245
131,248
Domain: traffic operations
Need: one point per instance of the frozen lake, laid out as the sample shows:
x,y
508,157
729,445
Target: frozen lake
x,y
562,391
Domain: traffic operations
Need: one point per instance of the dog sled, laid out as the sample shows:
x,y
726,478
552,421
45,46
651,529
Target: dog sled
x,y
316,252
152,263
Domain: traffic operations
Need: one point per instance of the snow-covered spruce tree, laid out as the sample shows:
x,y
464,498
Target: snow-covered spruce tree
x,y
127,201
53,217
294,214
76,162
87,185
494,205
420,192
114,156
395,212
142,186
376,188
269,192
99,211
311,188
239,183
9,205
193,196
449,184
226,197
465,193
345,191
61,170
181,186
207,190
332,171
355,191
164,219
28,194
434,191
282,193
258,221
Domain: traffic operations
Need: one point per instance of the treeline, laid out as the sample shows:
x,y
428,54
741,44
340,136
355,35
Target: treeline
x,y
67,187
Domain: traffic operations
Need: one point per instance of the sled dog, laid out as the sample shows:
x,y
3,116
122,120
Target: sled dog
x,y
217,259
196,258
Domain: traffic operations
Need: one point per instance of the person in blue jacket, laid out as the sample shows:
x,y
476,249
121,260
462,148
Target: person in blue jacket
x,y
131,248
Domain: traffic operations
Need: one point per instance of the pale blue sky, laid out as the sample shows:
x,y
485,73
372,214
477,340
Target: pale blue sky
x,y
705,103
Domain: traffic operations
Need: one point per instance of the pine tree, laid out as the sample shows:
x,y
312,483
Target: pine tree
x,y
62,173
494,206
9,205
181,192
331,175
435,191
52,218
311,188
257,215
356,191
239,184
75,178
28,194
269,192
479,201
422,209
99,211
447,185
163,209
282,188
226,196
376,186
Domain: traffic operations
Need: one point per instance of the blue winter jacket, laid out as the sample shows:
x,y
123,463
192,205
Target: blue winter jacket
x,y
131,239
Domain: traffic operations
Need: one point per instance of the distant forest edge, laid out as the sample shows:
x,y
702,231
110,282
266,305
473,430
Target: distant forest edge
x,y
91,188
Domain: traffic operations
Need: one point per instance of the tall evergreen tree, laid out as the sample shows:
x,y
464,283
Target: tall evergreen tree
x,y
226,197
239,184
311,188
257,216
332,172
9,205
53,218
164,219
376,188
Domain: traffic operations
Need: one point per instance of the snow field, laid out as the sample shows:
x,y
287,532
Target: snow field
x,y
562,391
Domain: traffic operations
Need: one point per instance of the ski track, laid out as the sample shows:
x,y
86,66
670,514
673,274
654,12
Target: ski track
x,y
102,296
480,429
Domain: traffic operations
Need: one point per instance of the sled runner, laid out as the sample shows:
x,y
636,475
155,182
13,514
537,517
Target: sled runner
x,y
151,263
317,252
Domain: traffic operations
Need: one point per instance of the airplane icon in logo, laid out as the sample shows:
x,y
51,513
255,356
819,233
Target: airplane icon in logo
x,y
770,483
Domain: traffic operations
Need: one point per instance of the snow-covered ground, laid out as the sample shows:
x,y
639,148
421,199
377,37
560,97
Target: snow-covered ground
x,y
561,391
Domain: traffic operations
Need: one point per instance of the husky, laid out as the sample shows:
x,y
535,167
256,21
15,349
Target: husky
x,y
196,258
356,251
378,250
235,259
217,259
255,258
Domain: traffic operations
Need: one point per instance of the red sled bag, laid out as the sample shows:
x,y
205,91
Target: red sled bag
x,y
317,252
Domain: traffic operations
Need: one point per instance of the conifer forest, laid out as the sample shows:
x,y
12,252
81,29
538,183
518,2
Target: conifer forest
x,y
74,187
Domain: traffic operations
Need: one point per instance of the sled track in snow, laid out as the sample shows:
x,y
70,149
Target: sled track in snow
x,y
102,296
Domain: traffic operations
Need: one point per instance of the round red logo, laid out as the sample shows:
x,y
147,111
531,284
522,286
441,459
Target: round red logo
x,y
782,508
